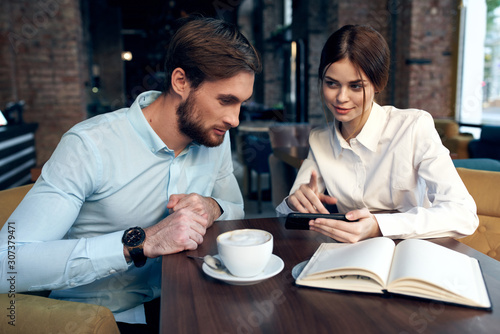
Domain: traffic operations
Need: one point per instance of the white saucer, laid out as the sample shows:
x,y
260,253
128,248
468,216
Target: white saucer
x,y
274,267
298,269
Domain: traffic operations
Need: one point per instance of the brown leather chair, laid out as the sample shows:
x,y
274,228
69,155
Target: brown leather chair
x,y
484,188
453,140
27,313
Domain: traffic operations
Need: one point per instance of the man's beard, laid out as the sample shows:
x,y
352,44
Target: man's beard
x,y
191,125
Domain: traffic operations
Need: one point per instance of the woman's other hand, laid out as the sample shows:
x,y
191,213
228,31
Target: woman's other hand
x,y
361,225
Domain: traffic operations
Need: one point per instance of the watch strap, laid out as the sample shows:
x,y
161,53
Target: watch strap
x,y
137,255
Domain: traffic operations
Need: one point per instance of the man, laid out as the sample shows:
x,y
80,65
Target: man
x,y
127,187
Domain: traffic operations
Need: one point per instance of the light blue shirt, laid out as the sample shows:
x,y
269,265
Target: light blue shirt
x,y
107,174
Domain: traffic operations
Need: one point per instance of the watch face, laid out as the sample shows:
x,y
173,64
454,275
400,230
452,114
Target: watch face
x,y
134,237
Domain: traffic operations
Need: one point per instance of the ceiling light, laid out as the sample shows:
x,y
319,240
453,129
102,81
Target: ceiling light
x,y
127,55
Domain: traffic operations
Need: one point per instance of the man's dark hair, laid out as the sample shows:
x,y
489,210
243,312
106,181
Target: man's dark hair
x,y
209,49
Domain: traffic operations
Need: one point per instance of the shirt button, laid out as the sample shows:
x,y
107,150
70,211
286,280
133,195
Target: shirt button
x,y
72,284
112,271
152,149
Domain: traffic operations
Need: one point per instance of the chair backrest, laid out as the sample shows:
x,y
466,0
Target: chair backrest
x,y
490,133
446,127
302,133
478,163
48,315
255,153
289,134
488,145
484,187
10,199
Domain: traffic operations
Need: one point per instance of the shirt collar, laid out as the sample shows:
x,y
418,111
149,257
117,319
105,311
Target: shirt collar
x,y
141,125
338,142
369,135
372,131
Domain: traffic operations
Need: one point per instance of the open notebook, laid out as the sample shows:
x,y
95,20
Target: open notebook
x,y
414,267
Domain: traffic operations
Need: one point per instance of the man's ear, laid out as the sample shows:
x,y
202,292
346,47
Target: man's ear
x,y
179,82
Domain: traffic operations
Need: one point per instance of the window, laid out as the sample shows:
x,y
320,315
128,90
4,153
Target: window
x,y
491,93
478,79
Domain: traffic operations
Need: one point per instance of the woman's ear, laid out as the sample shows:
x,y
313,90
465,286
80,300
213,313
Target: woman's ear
x,y
179,82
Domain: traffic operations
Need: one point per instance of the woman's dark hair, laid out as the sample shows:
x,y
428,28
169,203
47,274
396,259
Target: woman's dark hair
x,y
365,48
209,49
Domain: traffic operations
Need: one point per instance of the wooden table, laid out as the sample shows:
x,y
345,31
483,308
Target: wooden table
x,y
294,155
193,302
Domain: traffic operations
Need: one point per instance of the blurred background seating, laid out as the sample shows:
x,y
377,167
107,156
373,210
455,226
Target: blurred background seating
x,y
478,163
484,188
488,144
255,154
285,135
452,139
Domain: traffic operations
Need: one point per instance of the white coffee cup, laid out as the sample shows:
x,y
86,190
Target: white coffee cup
x,y
245,252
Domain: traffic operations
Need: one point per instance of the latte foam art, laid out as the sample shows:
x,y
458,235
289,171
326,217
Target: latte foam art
x,y
245,238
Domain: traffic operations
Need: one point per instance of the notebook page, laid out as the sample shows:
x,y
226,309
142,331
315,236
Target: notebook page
x,y
373,255
440,266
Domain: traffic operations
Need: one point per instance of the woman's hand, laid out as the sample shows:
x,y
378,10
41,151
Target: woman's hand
x,y
361,225
307,199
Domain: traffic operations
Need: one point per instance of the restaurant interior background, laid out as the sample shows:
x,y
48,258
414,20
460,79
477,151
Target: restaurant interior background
x,y
62,61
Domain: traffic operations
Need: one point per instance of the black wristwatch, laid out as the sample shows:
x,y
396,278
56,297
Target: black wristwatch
x,y
133,239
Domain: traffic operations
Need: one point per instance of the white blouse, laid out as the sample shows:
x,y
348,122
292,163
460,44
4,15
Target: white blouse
x,y
397,162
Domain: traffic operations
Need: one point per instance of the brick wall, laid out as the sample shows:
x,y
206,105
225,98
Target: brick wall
x,y
42,62
432,41
320,25
7,71
273,55
423,54
43,58
375,14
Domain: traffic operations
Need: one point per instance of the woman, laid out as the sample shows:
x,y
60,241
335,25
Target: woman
x,y
386,168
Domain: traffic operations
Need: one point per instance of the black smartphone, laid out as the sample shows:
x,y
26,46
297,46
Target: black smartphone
x,y
300,221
